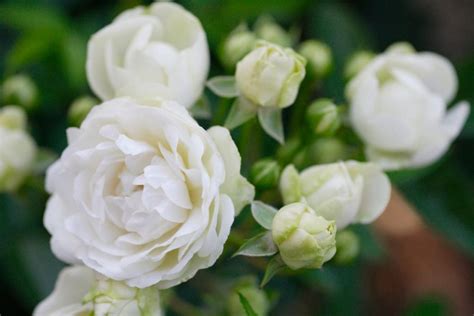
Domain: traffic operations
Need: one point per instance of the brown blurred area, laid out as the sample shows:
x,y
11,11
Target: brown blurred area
x,y
420,264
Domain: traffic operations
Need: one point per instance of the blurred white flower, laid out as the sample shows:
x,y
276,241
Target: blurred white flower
x,y
346,192
79,291
304,239
270,75
17,148
143,194
398,106
159,51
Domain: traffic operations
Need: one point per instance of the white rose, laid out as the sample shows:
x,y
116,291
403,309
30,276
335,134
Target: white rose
x,y
399,107
17,148
147,52
270,75
346,192
79,291
143,194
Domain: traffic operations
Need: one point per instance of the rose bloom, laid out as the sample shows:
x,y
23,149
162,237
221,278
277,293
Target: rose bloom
x,y
398,106
80,291
270,75
143,194
346,192
147,52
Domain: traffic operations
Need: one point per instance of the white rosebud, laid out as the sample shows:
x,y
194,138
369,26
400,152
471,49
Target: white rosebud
x,y
159,51
304,239
270,75
398,106
17,148
346,192
80,291
143,194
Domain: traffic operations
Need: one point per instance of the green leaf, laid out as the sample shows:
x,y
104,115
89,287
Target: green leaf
x,y
202,108
249,311
223,86
263,213
261,245
274,266
272,123
242,111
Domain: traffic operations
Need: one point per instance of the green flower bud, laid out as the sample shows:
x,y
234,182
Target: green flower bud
x,y
357,62
239,43
323,117
401,48
20,90
305,240
80,108
12,117
347,247
327,150
256,297
266,29
265,173
319,57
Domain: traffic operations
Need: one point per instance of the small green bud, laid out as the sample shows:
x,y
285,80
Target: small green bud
x,y
80,108
304,239
20,90
323,117
319,57
265,173
327,150
357,62
12,117
347,247
256,297
239,43
401,48
266,29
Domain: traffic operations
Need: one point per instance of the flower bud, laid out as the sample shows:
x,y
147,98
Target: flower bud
x,y
346,192
270,75
305,240
401,48
318,55
12,117
238,44
80,108
357,62
323,117
254,295
267,30
347,247
265,173
329,149
20,90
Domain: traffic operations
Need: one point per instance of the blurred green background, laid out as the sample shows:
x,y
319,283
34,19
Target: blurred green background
x,y
46,39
